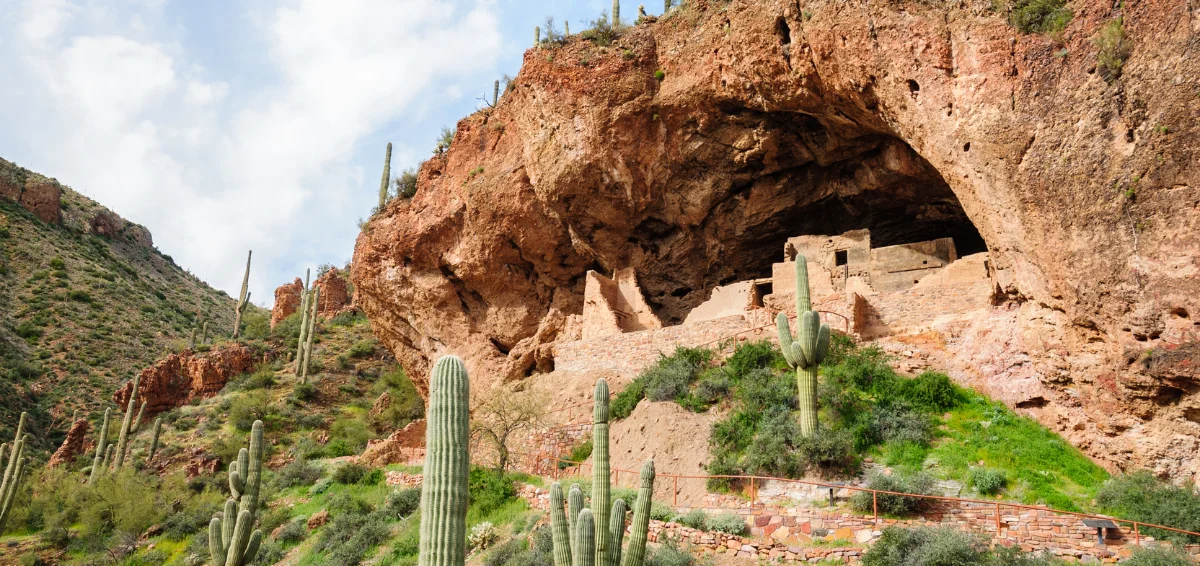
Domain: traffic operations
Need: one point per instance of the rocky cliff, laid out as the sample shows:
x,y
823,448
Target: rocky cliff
x,y
693,146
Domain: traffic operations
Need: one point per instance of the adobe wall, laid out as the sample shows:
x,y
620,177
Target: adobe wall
x,y
727,300
895,268
616,305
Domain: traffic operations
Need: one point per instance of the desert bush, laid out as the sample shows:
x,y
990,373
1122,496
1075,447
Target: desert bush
x,y
406,183
352,431
349,473
1039,16
373,477
1158,556
349,536
297,472
601,31
304,391
988,481
503,554
670,377
661,511
362,349
669,554
404,502
293,532
728,523
696,519
626,401
245,409
926,547
1142,497
489,490
895,422
773,450
829,452
1113,48
918,484
579,453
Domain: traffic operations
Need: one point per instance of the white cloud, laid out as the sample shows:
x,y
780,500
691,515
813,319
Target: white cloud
x,y
215,162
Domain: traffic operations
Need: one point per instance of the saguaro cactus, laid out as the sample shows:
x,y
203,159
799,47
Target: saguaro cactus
x,y
566,29
101,448
192,340
14,469
447,465
304,298
387,176
154,439
603,544
640,527
807,351
243,299
129,426
560,532
312,330
229,538
537,36
496,93
616,13
600,470
204,333
585,540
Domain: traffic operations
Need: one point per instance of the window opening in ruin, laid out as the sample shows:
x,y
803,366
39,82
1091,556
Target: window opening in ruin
x,y
761,290
841,257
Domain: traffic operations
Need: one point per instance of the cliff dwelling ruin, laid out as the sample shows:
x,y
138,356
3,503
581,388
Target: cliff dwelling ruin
x,y
869,292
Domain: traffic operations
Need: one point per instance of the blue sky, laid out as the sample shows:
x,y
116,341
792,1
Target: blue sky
x,y
227,125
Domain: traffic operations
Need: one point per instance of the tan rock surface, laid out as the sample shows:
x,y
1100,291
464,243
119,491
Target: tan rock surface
x,y
177,379
287,300
905,118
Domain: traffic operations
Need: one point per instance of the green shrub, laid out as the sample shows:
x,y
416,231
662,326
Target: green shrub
x,y
728,523
304,391
80,296
373,477
773,451
349,473
362,349
669,554
661,511
297,472
830,452
668,379
696,519
1040,16
293,532
1113,48
988,481
406,183
659,75
489,490
248,408
898,505
403,502
926,547
348,538
580,453
626,401
1142,497
931,391
1158,556
501,555
352,431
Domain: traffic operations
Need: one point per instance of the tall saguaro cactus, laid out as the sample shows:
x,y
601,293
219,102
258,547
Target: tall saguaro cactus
x,y
154,439
616,13
807,350
129,426
305,295
447,465
387,176
601,544
14,469
600,470
243,299
230,540
101,448
306,360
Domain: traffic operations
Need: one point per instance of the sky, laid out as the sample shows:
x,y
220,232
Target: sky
x,y
233,125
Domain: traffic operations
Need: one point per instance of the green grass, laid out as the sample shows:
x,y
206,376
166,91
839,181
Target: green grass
x,y
1041,466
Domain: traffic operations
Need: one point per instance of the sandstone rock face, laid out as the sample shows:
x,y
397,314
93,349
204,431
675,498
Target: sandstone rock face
x,y
108,224
399,448
915,121
287,300
177,379
335,293
73,446
41,196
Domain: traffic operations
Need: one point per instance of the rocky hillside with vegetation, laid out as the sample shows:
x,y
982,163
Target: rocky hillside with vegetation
x,y
86,302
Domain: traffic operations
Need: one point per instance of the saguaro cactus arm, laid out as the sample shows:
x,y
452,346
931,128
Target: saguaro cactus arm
x,y
235,544
154,439
616,532
585,540
243,299
98,461
127,425
14,469
560,531
639,529
574,507
447,465
312,330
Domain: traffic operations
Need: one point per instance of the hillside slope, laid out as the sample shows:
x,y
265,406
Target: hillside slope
x,y
85,302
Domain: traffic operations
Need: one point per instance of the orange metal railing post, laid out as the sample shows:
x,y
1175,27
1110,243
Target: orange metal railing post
x,y
1137,535
875,504
753,493
997,519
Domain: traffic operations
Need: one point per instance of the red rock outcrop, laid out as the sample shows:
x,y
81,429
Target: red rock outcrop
x,y
38,194
177,379
694,146
108,224
72,446
402,446
287,300
335,294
